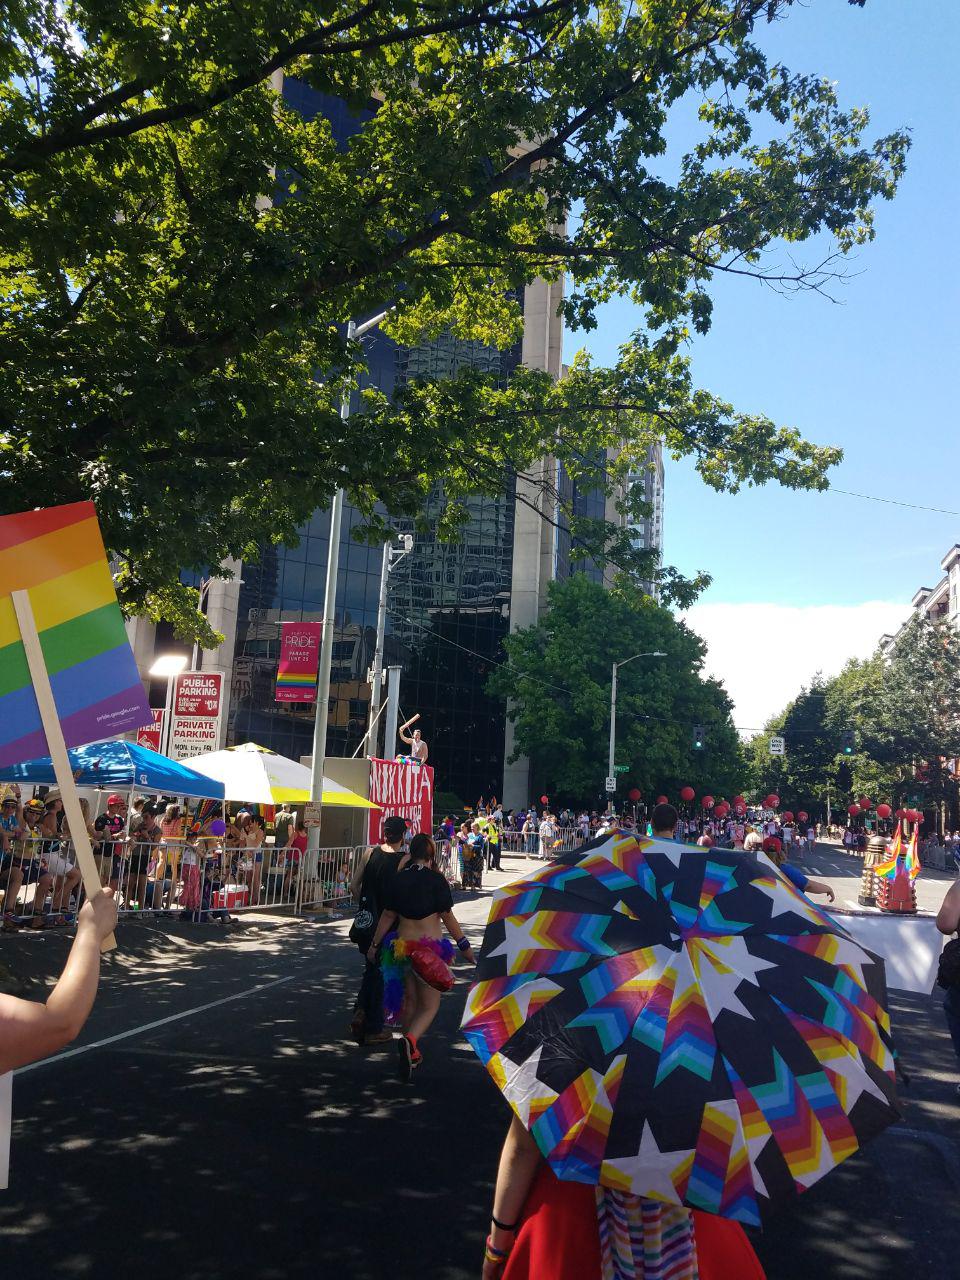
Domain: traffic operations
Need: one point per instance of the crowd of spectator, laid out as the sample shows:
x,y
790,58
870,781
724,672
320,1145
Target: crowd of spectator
x,y
155,857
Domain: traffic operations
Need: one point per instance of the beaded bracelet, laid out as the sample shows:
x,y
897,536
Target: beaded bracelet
x,y
492,1254
463,944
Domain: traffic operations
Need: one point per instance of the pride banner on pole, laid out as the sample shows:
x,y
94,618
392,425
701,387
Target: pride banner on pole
x,y
299,661
56,556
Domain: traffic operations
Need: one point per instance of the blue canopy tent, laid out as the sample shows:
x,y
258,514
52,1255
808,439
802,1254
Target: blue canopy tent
x,y
120,766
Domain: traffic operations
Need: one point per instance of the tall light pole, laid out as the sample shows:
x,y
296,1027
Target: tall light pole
x,y
391,558
611,764
329,612
168,666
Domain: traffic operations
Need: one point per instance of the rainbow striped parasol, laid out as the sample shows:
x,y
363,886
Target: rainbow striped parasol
x,y
682,1025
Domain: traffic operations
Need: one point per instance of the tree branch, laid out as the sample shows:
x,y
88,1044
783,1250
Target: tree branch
x,y
78,134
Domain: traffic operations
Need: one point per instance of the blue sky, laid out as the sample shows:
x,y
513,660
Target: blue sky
x,y
875,374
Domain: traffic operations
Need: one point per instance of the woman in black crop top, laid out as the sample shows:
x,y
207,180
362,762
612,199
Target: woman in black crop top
x,y
415,954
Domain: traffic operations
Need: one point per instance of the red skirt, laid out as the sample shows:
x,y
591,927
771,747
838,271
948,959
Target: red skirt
x,y
559,1238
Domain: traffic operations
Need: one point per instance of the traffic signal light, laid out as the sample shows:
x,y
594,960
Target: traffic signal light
x,y
699,737
847,742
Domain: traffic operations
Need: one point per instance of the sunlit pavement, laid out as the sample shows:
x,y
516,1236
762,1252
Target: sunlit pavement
x,y
254,1139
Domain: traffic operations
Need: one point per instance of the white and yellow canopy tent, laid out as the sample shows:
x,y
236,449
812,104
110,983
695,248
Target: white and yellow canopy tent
x,y
254,775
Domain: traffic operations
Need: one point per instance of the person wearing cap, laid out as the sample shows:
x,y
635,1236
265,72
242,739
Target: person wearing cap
x,y
28,868
370,885
774,850
110,828
11,831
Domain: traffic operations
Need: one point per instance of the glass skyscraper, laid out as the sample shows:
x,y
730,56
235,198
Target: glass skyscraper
x,y
450,604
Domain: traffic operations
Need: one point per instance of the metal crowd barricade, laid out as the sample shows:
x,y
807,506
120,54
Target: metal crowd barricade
x,y
328,884
38,879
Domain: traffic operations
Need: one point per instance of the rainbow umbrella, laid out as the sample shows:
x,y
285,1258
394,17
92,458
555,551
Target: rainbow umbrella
x,y
681,1025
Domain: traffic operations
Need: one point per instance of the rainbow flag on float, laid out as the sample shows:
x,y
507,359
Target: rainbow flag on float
x,y
57,556
913,855
887,866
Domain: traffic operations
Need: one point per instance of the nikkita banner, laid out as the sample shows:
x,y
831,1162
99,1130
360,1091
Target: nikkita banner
x,y
404,790
299,661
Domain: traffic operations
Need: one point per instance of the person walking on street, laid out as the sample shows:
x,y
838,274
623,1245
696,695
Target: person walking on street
x,y
415,956
370,884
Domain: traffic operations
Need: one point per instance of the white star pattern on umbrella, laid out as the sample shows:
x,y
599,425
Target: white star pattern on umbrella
x,y
650,1170
721,964
522,1086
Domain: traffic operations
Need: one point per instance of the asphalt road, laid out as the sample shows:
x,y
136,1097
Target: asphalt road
x,y
252,1139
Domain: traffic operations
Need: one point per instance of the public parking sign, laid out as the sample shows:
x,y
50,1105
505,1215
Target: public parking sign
x,y
777,746
611,784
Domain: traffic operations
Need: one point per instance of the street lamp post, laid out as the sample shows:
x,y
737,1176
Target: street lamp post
x,y
391,558
168,666
329,611
611,763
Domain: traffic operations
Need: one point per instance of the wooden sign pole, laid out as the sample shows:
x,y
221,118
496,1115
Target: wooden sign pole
x,y
58,749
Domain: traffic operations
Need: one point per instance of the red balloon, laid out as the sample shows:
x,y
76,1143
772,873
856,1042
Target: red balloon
x,y
901,813
865,803
738,800
772,801
633,794
687,794
722,809
914,815
707,802
662,800
802,815
883,811
787,816
853,810
740,807
544,799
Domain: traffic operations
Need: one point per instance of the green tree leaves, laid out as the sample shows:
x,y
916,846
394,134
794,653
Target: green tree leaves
x,y
182,250
903,707
557,680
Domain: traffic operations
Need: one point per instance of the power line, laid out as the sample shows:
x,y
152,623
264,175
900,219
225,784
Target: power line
x,y
893,502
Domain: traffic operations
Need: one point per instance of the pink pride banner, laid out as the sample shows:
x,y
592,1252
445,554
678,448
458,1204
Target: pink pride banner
x,y
403,790
299,661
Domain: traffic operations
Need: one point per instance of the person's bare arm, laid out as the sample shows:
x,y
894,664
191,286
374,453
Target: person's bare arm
x,y
386,922
818,886
519,1161
452,925
29,1030
357,878
948,917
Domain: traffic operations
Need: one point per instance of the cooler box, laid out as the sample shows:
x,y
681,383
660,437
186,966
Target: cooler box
x,y
231,895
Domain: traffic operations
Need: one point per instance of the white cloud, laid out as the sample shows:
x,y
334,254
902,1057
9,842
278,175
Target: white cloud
x,y
763,653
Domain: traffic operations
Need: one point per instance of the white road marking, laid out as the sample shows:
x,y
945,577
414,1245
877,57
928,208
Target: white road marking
x,y
152,1026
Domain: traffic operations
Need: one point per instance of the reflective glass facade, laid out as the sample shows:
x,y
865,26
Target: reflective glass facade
x,y
448,611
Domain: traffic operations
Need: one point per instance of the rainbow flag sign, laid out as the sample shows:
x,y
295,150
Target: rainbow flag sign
x,y
56,557
299,661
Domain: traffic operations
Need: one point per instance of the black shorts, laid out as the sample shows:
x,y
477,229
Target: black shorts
x,y
32,870
139,861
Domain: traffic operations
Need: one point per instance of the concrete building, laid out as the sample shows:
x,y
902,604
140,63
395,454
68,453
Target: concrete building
x,y
450,604
940,603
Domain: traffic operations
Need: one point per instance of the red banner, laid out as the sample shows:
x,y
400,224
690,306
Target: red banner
x,y
151,735
404,790
299,660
